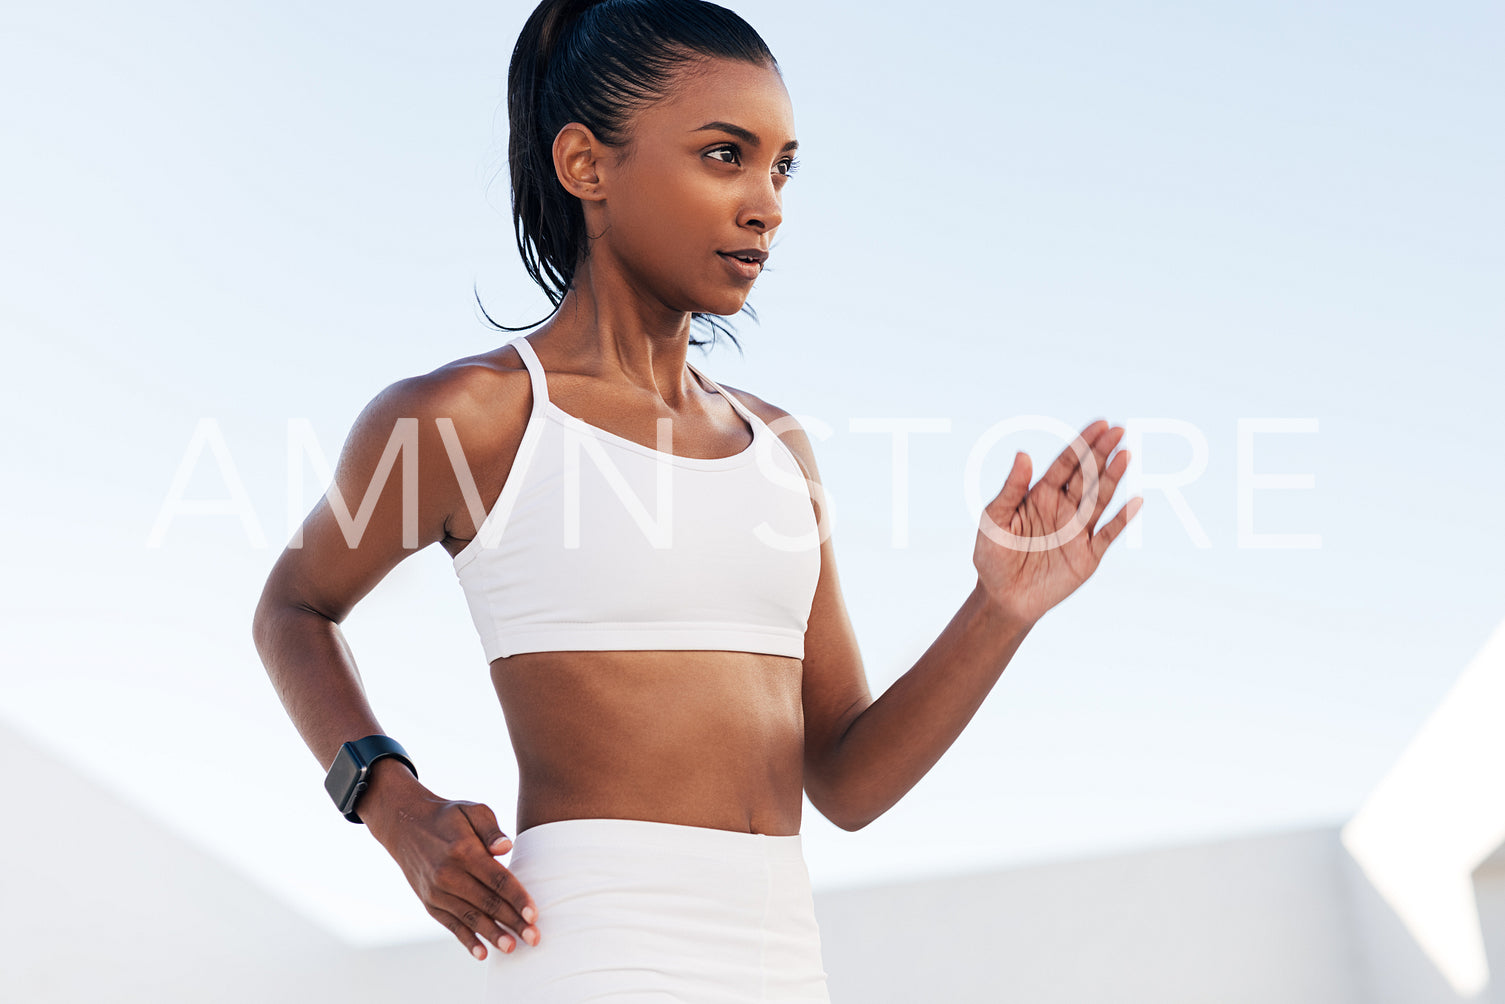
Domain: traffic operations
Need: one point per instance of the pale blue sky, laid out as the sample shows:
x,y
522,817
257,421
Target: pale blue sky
x,y
1186,213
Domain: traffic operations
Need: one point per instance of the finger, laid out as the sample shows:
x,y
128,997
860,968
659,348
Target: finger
x,y
1112,475
1115,526
485,882
479,885
1015,487
466,936
485,870
505,901
503,883
1077,485
473,916
483,821
1061,470
482,888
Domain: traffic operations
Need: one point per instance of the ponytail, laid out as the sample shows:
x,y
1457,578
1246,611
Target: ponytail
x,y
597,62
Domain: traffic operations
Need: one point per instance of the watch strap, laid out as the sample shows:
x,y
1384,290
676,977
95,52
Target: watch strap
x,y
365,752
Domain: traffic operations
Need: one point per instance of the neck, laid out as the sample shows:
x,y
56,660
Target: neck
x,y
620,339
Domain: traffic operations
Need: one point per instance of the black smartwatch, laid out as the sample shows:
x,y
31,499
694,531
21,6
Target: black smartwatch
x,y
351,771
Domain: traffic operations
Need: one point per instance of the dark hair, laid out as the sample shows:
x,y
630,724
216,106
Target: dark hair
x,y
596,62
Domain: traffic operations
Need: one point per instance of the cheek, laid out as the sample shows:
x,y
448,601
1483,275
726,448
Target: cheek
x,y
676,220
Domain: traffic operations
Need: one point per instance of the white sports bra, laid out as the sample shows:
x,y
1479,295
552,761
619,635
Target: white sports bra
x,y
598,542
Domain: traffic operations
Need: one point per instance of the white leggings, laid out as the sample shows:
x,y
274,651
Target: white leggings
x,y
632,911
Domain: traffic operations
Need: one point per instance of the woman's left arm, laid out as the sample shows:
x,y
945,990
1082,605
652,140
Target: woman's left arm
x,y
1035,546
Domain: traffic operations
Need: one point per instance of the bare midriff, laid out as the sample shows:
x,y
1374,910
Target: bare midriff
x,y
700,738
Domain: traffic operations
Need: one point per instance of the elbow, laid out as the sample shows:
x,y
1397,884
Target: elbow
x,y
849,819
262,619
258,625
852,824
841,811
847,801
266,619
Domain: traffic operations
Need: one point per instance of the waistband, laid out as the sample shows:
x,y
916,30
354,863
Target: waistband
x,y
651,835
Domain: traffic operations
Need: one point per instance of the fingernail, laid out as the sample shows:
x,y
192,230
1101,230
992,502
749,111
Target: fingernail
x,y
530,914
530,935
502,846
478,952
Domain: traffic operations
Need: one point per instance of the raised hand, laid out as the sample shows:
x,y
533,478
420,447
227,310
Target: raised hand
x,y
1036,545
446,848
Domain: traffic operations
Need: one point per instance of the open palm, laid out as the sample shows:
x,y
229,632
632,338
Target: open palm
x,y
1036,545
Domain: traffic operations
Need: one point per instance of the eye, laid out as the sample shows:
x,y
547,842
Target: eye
x,y
789,164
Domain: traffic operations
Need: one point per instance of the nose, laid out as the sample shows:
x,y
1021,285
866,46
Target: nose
x,y
763,206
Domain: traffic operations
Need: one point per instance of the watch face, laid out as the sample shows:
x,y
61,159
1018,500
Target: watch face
x,y
343,776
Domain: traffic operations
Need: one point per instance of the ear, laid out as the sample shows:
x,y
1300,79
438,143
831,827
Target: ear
x,y
577,156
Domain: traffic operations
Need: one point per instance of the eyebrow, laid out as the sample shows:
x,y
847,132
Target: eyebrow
x,y
746,135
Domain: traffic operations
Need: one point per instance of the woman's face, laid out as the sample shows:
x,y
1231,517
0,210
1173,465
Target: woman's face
x,y
704,175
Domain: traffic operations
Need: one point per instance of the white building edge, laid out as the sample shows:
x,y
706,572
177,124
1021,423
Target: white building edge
x,y
1403,904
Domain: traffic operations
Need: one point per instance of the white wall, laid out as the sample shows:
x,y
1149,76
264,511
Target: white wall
x,y
99,902
1489,892
1259,920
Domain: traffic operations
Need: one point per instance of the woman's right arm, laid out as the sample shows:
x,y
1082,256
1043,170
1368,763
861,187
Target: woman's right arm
x,y
445,847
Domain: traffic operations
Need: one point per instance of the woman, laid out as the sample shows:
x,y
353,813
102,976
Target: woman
x,y
645,556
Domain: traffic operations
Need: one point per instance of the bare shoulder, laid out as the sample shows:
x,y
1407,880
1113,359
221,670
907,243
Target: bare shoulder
x,y
784,425
469,391
343,556
480,404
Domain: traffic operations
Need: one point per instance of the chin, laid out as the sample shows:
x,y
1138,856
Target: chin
x,y
725,307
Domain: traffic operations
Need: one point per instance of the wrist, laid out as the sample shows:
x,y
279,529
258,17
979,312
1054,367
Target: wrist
x,y
996,618
388,784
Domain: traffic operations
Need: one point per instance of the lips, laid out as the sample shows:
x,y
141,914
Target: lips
x,y
757,255
745,269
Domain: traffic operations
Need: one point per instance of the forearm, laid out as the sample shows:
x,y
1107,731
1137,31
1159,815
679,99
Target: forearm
x,y
314,673
894,742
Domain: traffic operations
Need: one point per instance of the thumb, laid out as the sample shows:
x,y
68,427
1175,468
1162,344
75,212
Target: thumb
x,y
1015,486
483,821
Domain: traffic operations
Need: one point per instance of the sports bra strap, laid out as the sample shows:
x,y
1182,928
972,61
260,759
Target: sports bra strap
x,y
535,370
541,387
737,406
